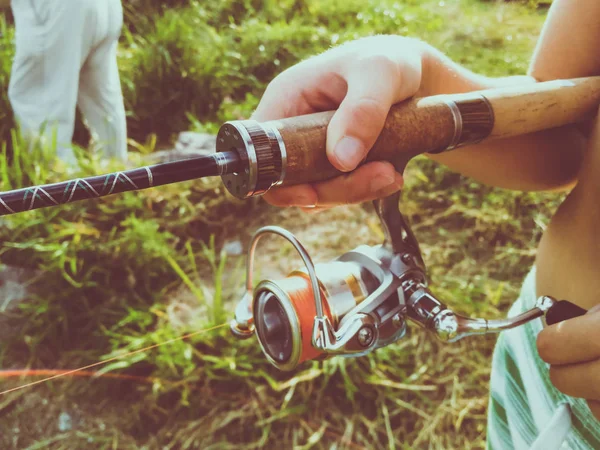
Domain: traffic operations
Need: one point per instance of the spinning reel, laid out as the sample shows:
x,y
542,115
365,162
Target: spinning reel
x,y
359,302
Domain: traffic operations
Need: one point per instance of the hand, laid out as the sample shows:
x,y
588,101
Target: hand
x,y
572,348
362,80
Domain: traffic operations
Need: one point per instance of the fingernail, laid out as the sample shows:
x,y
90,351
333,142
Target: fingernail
x,y
349,152
381,182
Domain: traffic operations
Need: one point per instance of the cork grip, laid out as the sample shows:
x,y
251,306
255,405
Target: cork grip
x,y
412,127
441,123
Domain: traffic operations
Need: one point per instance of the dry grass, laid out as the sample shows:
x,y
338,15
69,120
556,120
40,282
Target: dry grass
x,y
107,284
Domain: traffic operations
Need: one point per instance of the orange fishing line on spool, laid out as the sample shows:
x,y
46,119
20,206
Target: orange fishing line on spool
x,y
300,292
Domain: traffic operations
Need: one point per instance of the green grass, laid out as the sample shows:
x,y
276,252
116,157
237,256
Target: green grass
x,y
141,268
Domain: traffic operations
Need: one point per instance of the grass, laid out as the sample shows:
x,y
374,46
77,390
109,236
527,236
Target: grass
x,y
141,268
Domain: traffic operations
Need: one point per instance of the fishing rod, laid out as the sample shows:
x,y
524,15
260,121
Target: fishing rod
x,y
253,157
362,300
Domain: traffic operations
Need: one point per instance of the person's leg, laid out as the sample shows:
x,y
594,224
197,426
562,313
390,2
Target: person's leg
x,y
45,72
100,95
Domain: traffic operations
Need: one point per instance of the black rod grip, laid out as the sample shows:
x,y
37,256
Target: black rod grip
x,y
563,310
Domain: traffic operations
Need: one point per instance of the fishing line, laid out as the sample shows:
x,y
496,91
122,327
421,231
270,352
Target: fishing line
x,y
69,372
81,373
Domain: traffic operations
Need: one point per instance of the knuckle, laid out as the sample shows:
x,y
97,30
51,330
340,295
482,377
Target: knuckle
x,y
354,191
544,343
277,84
379,168
380,62
368,110
284,80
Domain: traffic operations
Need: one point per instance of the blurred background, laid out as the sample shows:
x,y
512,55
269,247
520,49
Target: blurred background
x,y
82,282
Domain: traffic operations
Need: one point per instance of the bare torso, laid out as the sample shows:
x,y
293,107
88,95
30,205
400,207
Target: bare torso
x,y
568,259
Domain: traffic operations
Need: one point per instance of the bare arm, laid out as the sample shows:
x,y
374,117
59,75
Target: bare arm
x,y
550,160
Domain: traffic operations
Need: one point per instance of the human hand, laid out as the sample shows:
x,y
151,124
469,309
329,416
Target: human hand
x,y
362,79
572,348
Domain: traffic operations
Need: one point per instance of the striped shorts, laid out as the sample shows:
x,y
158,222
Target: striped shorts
x,y
525,410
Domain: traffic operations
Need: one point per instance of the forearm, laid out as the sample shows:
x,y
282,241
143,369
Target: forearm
x,y
548,160
441,75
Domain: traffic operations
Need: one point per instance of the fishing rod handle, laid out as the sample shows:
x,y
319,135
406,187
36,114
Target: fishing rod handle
x,y
292,150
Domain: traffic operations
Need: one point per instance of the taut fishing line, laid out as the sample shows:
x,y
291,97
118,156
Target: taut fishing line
x,y
70,372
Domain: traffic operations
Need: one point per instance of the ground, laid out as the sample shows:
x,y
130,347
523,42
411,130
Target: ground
x,y
139,269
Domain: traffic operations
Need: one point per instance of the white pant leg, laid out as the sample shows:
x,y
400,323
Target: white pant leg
x,y
100,95
51,40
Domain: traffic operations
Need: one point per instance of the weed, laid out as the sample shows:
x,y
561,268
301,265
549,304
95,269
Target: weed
x,y
129,271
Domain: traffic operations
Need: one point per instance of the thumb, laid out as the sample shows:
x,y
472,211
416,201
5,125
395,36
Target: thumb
x,y
356,125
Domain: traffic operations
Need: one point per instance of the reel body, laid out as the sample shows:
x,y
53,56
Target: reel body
x,y
359,302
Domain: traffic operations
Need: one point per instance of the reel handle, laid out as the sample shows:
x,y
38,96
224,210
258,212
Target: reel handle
x,y
563,310
292,150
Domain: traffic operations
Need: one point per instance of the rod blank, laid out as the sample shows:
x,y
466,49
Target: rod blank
x,y
36,197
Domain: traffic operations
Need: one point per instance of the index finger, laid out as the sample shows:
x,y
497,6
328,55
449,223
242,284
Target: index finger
x,y
572,341
373,180
306,88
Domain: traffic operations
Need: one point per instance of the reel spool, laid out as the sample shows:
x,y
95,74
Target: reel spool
x,y
287,309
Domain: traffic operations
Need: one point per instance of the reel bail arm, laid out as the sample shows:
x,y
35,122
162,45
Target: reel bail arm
x,y
242,325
